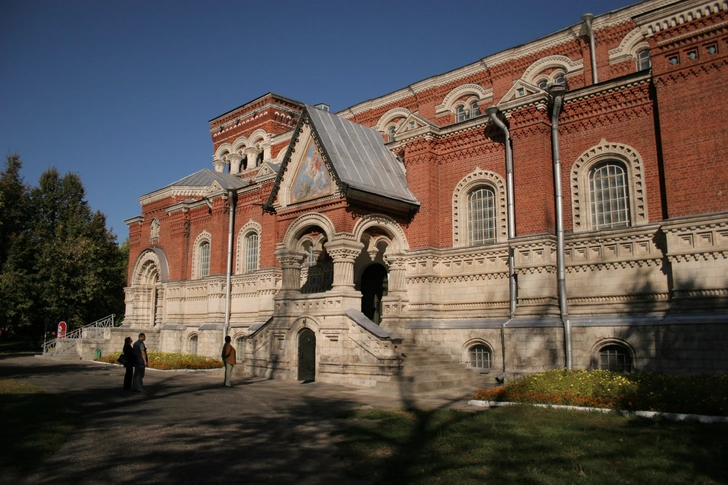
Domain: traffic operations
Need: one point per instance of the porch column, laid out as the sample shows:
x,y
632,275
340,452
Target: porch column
x,y
397,272
344,249
291,261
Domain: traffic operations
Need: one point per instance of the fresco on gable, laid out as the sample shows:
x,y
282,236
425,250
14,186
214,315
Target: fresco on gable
x,y
312,179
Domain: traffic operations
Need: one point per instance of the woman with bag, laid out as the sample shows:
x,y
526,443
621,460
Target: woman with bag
x,y
128,363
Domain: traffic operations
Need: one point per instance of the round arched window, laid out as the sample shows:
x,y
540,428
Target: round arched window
x,y
480,357
616,358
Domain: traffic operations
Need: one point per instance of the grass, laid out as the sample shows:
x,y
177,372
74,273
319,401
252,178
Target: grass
x,y
527,445
639,391
34,425
172,361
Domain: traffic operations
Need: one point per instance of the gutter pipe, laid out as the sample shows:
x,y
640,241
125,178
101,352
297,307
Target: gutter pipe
x,y
557,92
587,18
493,112
231,196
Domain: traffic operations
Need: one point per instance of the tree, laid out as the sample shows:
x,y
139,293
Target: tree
x,y
61,261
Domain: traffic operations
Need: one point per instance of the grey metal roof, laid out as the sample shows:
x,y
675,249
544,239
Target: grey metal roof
x,y
205,178
359,156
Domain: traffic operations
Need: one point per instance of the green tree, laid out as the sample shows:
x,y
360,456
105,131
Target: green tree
x,y
62,263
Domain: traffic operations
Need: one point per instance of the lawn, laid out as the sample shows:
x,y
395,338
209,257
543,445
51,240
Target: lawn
x,y
529,445
34,426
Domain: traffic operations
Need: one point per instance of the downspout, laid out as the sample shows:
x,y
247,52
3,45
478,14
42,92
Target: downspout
x,y
493,112
587,18
231,198
557,92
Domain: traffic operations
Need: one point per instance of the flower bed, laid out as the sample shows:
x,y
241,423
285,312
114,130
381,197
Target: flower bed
x,y
639,391
172,361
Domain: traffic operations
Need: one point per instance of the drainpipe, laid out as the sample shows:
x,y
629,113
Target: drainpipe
x,y
587,18
231,198
557,93
493,112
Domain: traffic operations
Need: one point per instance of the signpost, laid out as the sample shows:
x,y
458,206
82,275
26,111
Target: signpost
x,y
62,327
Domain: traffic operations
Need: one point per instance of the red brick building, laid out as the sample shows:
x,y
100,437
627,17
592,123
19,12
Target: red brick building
x,y
561,203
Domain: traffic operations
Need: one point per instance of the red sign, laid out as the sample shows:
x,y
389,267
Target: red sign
x,y
61,330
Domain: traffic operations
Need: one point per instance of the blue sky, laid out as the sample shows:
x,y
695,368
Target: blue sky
x,y
121,92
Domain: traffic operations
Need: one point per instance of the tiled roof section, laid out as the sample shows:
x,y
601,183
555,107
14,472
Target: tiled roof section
x,y
205,177
359,156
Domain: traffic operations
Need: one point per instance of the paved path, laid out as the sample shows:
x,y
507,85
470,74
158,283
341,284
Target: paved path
x,y
187,428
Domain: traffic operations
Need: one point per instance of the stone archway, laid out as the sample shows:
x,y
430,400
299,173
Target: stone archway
x,y
374,285
306,355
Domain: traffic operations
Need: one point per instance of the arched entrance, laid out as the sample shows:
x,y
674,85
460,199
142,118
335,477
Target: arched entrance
x,y
374,285
306,355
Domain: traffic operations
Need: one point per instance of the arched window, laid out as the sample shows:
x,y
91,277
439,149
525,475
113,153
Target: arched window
x,y
616,358
204,259
259,159
609,196
310,254
560,80
240,349
390,136
643,60
460,113
251,252
193,344
474,110
543,84
481,216
480,357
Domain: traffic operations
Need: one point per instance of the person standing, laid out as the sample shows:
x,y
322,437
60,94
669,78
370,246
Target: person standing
x,y
140,363
128,363
228,357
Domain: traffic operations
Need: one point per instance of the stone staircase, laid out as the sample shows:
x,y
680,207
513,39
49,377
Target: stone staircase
x,y
64,351
426,370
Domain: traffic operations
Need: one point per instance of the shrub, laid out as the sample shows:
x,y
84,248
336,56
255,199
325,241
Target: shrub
x,y
704,394
172,361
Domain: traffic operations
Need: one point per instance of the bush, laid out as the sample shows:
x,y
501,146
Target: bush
x,y
649,391
172,361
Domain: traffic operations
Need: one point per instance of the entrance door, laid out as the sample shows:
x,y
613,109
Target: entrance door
x,y
373,286
306,355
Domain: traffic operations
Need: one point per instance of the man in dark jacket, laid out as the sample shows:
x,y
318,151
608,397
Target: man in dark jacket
x,y
140,363
228,357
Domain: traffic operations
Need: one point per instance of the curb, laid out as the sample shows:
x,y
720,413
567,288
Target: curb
x,y
643,414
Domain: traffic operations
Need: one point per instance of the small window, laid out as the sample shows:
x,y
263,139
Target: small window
x,y
251,252
310,255
609,198
204,259
480,357
543,84
615,358
481,216
460,114
474,109
643,60
193,345
560,80
154,230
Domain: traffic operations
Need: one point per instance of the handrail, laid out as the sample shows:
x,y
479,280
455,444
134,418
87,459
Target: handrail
x,y
88,331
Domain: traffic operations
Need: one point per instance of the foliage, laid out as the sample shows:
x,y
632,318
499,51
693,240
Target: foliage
x,y
528,445
639,391
35,425
172,361
58,260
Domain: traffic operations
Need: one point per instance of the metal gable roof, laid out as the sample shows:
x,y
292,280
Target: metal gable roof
x,y
359,157
205,178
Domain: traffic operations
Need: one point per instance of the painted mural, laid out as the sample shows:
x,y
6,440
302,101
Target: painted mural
x,y
312,179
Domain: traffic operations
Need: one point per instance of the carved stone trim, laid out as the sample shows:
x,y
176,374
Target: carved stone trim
x,y
460,205
240,247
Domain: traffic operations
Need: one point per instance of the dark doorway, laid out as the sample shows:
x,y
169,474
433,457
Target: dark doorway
x,y
373,287
306,355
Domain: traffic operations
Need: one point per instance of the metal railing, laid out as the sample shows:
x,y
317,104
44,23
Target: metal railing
x,y
92,330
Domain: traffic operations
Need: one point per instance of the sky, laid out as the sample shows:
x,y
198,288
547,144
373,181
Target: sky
x,y
121,92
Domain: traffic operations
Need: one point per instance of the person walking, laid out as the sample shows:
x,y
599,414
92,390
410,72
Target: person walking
x,y
140,363
128,363
229,357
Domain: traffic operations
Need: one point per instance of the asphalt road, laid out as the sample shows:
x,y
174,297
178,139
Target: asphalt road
x,y
187,428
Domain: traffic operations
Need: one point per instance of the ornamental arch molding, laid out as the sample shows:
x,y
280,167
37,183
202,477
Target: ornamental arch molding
x,y
635,182
393,230
633,42
475,179
150,267
390,115
225,149
299,226
473,90
551,62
